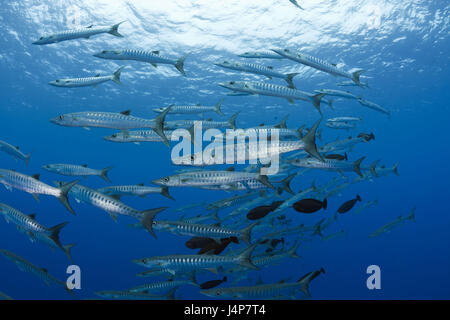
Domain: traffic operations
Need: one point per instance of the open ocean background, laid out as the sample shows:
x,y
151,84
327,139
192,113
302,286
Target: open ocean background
x,y
403,46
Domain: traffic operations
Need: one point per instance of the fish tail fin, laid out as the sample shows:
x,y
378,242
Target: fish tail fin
x,y
310,141
395,169
165,193
316,101
116,75
246,233
293,251
180,64
54,233
355,77
286,183
358,198
372,136
67,249
115,30
412,215
64,190
244,258
147,218
217,108
330,103
317,228
357,166
171,294
232,120
289,78
265,181
159,125
104,174
27,159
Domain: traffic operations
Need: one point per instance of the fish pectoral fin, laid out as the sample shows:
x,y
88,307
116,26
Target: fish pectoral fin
x,y
35,196
155,65
291,101
113,216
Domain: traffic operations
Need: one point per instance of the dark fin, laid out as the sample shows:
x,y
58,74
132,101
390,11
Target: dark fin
x,y
310,141
357,166
126,112
244,258
324,204
246,233
230,169
265,181
180,64
63,196
159,125
316,101
32,215
412,216
116,75
282,123
55,234
84,165
300,132
345,156
225,279
165,193
147,218
156,52
36,176
116,196
286,183
104,174
355,77
395,169
372,136
232,120
115,30
291,101
67,249
217,108
373,168
358,197
140,184
289,78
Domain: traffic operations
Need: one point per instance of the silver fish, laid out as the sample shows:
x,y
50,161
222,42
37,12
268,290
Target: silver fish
x,y
260,55
14,151
394,224
87,82
76,170
139,190
196,109
374,106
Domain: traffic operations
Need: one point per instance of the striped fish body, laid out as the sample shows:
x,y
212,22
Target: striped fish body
x,y
188,109
13,151
71,170
341,125
109,120
186,124
252,68
152,57
198,230
261,55
27,223
131,190
161,286
12,179
205,178
274,90
255,292
137,136
337,93
81,82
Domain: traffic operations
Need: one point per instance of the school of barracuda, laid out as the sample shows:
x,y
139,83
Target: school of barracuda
x,y
257,232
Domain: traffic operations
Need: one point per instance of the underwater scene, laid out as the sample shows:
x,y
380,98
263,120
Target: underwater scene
x,y
192,150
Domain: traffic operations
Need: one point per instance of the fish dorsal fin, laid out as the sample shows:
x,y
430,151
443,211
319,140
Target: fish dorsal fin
x,y
44,270
84,165
209,119
17,147
198,104
261,125
32,215
270,67
155,52
115,196
230,169
89,26
334,64
126,112
36,176
140,184
97,75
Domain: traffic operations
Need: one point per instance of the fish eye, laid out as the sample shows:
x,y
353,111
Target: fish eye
x,y
166,179
192,157
60,117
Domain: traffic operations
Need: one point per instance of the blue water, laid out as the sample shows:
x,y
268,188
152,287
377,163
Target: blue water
x,y
402,46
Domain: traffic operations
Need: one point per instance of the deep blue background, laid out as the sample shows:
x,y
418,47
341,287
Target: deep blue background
x,y
408,76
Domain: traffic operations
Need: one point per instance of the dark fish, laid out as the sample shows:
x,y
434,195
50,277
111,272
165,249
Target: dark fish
x,y
199,242
339,157
217,247
347,205
213,283
367,136
262,211
309,205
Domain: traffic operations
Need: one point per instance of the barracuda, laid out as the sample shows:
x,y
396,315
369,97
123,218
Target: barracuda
x,y
210,178
112,206
87,82
12,179
134,190
162,286
329,164
152,57
258,69
337,93
231,201
394,224
138,136
344,119
273,90
121,121
127,295
197,109
76,170
265,291
319,64
374,106
341,125
85,33
28,225
27,266
204,230
182,263
206,124
14,151
261,55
